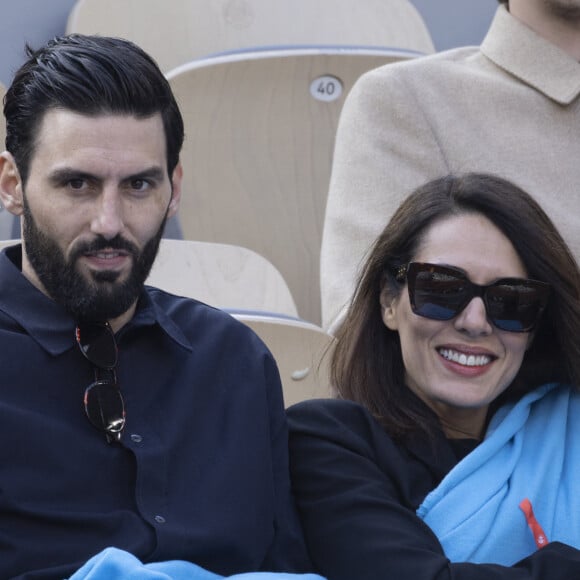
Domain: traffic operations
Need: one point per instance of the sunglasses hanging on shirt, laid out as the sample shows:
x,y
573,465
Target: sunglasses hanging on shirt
x,y
103,401
442,292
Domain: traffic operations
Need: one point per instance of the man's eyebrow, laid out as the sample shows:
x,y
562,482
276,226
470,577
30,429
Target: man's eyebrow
x,y
155,173
64,174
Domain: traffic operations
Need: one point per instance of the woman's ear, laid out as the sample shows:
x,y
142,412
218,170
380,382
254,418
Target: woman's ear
x,y
10,184
389,309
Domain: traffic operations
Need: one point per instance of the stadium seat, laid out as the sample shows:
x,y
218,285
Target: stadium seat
x,y
177,31
226,276
257,157
302,352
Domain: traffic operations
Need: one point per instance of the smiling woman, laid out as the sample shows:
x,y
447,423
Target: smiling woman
x,y
440,355
453,361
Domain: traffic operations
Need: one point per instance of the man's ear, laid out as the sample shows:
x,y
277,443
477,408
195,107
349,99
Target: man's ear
x,y
389,309
176,181
11,190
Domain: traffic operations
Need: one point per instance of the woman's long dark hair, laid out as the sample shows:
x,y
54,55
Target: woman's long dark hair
x,y
367,364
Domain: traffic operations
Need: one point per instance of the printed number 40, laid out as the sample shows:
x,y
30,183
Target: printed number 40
x,y
326,88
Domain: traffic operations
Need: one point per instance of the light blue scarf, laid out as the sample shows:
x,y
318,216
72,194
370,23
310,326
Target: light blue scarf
x,y
531,451
113,563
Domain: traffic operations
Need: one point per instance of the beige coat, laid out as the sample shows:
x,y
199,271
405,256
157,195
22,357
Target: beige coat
x,y
509,107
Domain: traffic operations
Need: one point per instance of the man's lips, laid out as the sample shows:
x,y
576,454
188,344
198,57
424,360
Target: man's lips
x,y
107,259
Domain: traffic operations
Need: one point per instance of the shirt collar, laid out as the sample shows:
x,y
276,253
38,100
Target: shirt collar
x,y
150,313
49,324
523,53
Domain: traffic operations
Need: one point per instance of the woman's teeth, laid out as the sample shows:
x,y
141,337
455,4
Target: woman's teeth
x,y
464,359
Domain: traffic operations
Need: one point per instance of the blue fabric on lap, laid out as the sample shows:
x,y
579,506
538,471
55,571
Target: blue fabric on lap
x,y
114,563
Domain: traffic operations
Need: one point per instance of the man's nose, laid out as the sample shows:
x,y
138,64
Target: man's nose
x,y
108,220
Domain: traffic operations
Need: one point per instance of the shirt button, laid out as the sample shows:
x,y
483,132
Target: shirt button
x,y
160,519
136,438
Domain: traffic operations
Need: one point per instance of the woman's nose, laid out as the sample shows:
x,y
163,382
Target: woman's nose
x,y
473,318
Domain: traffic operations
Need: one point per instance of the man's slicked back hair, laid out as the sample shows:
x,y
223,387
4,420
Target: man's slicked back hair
x,y
88,75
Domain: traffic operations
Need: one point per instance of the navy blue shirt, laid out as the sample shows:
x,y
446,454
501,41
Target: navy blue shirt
x,y
201,473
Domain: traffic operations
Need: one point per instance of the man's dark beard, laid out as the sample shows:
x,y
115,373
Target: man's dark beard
x,y
99,300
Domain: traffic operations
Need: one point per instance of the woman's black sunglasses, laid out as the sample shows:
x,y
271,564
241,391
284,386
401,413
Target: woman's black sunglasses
x,y
442,292
103,401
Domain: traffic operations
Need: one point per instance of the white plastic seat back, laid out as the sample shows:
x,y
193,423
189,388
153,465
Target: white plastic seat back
x,y
260,130
177,31
302,352
222,275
